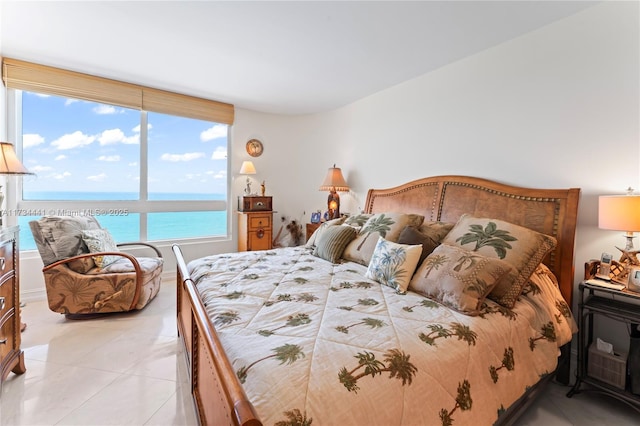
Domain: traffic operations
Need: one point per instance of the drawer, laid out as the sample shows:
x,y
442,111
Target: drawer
x,y
6,335
258,221
6,259
259,240
6,297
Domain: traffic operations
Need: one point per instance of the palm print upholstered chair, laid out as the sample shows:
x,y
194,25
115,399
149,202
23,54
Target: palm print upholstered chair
x,y
85,272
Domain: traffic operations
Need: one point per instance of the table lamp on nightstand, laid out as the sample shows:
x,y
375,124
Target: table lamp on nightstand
x,y
334,182
620,213
10,165
247,168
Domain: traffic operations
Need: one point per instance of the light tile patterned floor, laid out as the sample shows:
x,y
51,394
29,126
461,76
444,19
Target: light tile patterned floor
x,y
128,369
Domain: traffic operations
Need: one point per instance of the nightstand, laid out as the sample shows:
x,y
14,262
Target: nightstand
x,y
255,230
605,374
311,228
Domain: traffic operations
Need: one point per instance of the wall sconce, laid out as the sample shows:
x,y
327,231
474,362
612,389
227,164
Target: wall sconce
x,y
247,168
620,213
333,182
10,165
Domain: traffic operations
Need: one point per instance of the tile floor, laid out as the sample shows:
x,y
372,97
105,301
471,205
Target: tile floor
x,y
128,369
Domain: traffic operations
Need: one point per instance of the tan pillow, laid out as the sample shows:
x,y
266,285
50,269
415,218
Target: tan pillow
x,y
393,264
458,278
386,225
81,266
100,241
520,247
314,237
332,242
429,235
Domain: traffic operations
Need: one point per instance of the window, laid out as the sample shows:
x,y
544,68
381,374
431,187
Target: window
x,y
149,175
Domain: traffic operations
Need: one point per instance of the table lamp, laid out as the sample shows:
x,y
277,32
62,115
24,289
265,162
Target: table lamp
x,y
333,182
9,165
620,213
247,168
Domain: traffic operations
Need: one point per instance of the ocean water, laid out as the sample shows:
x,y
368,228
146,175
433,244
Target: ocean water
x,y
125,227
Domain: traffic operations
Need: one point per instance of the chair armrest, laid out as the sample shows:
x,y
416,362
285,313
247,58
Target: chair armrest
x,y
140,243
134,261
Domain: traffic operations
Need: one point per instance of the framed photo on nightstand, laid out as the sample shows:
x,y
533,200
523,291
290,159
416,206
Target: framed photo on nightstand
x,y
634,279
315,217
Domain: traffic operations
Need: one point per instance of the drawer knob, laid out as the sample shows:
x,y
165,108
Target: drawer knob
x,y
2,263
260,233
1,303
3,341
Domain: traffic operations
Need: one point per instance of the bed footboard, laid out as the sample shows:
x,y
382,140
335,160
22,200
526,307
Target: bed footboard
x,y
217,393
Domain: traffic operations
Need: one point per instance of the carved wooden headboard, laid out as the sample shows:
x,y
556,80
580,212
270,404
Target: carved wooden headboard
x,y
445,198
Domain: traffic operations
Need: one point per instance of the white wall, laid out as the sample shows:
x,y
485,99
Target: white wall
x,y
555,108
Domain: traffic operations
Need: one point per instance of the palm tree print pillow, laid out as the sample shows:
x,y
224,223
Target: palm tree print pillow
x,y
386,225
458,278
393,264
520,247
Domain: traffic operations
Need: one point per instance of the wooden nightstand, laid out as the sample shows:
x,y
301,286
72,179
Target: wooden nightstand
x,y
255,231
311,228
11,356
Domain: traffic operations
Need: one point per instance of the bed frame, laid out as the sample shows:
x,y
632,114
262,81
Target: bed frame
x,y
218,395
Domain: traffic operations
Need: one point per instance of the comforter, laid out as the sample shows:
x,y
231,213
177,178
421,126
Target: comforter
x,y
313,341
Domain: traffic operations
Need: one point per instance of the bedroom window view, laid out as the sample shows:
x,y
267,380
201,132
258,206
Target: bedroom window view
x,y
144,175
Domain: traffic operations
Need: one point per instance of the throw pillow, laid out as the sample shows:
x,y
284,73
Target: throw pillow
x,y
386,225
314,237
332,242
61,236
414,236
458,278
393,264
520,247
100,241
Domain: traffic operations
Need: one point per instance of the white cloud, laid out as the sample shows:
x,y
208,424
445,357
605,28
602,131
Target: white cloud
x,y
70,101
182,157
40,169
73,140
97,178
109,158
60,157
31,139
215,132
60,176
107,110
114,136
220,153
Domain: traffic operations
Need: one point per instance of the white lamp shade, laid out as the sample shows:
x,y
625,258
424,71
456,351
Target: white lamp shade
x,y
619,212
247,168
9,163
334,181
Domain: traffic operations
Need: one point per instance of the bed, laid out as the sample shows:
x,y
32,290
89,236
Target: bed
x,y
286,337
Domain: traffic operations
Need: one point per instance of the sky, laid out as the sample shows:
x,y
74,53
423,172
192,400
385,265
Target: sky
x,y
74,145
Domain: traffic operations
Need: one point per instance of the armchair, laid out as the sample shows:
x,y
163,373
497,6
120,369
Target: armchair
x,y
85,273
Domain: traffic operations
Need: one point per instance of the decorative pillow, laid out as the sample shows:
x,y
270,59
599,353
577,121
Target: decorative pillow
x,y
393,264
520,247
332,242
428,235
82,266
100,241
458,278
357,221
314,237
60,237
386,225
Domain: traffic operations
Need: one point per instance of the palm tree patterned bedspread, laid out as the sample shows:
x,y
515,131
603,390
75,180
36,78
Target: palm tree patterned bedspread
x,y
318,343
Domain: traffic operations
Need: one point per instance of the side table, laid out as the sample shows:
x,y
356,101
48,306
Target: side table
x,y
618,305
311,228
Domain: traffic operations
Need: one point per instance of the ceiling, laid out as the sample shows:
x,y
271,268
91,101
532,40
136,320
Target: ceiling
x,y
292,57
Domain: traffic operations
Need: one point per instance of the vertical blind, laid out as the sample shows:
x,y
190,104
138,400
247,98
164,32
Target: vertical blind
x,y
38,78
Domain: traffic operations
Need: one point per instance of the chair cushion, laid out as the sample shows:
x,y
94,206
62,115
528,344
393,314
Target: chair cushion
x,y
60,237
124,265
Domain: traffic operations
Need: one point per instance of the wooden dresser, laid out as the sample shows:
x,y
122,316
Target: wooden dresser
x,y
11,356
255,230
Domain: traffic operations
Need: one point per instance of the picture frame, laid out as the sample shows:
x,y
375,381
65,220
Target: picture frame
x,y
315,217
634,279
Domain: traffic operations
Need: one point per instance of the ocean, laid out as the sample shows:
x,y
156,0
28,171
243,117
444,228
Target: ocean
x,y
126,227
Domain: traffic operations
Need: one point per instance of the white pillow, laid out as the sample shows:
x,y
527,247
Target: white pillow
x,y
100,241
393,264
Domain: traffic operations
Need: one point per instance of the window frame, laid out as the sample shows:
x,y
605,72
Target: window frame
x,y
142,206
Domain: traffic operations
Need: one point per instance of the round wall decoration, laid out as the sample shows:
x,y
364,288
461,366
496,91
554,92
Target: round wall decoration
x,y
254,148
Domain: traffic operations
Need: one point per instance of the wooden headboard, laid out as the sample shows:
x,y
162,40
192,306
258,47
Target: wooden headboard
x,y
445,198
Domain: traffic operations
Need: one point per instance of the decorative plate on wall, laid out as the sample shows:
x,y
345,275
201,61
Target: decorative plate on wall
x,y
254,148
